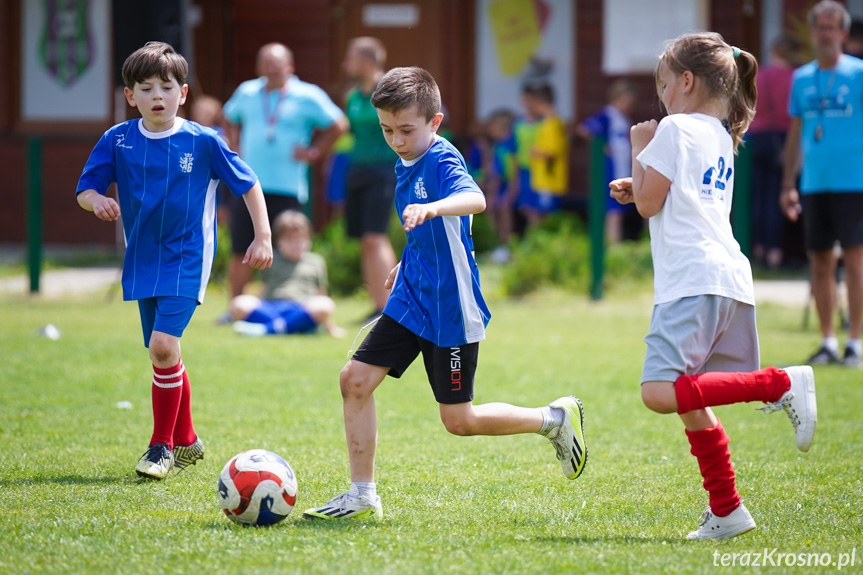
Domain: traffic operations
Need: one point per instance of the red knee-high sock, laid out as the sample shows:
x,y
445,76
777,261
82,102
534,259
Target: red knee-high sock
x,y
184,431
719,388
166,393
710,447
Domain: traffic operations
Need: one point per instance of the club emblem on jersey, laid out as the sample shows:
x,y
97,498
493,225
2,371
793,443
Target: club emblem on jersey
x,y
121,142
186,163
420,189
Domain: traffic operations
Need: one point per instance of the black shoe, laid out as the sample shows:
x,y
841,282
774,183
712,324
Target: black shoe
x,y
851,359
824,356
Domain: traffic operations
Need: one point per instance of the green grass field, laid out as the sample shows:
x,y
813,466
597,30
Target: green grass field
x,y
71,503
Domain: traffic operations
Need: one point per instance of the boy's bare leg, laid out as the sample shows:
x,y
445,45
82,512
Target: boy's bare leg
x,y
358,382
490,419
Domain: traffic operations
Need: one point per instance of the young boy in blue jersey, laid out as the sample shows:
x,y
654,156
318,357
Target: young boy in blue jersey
x,y
167,171
435,307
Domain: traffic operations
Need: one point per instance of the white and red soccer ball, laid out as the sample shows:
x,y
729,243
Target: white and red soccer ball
x,y
257,487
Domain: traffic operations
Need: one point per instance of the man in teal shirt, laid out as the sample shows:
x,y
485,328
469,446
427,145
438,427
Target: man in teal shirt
x,y
277,114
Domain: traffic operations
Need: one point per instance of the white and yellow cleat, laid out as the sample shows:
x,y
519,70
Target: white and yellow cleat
x,y
347,506
186,455
569,442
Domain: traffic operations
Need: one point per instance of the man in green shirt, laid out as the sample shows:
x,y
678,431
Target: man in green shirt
x,y
371,178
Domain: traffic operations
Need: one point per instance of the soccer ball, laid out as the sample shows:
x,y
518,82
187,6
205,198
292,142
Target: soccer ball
x,y
257,487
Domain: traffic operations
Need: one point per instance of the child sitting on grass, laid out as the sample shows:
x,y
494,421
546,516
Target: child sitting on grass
x,y
294,297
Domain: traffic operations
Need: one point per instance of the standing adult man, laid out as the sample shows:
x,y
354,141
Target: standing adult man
x,y
826,133
371,179
277,114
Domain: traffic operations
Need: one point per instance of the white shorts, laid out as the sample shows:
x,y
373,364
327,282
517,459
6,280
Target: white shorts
x,y
699,334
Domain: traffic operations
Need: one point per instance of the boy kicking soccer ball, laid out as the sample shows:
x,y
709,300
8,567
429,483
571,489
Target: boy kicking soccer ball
x,y
167,171
435,307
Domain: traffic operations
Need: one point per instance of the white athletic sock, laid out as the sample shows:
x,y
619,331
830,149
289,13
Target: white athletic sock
x,y
552,420
831,343
856,345
360,489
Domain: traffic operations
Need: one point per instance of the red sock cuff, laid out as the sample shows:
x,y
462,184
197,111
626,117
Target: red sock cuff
x,y
688,395
169,370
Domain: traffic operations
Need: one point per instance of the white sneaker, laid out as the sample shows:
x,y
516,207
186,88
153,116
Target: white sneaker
x,y
156,462
799,403
713,527
347,506
250,329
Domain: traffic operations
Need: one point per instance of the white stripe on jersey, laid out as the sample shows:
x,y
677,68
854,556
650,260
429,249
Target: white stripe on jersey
x,y
473,324
208,223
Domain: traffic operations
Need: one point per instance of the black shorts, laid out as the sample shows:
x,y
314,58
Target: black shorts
x,y
450,370
369,200
830,217
242,230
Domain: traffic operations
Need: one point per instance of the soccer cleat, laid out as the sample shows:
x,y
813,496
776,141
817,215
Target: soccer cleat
x,y
569,441
347,506
824,356
713,527
156,462
852,358
799,403
186,455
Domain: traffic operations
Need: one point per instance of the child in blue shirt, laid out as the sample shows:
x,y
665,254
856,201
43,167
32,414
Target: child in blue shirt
x,y
435,307
167,171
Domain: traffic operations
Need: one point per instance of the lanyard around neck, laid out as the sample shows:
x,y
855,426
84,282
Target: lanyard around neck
x,y
270,117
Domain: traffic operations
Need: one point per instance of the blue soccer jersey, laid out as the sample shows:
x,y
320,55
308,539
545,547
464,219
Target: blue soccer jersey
x,y
437,292
830,106
166,187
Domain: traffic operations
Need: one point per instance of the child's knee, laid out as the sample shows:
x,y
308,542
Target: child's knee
x,y
354,382
659,396
457,422
242,305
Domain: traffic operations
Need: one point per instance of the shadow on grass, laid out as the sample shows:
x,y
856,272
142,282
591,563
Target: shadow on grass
x,y
311,525
63,480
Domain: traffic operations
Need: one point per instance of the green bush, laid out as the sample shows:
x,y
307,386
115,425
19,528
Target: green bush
x,y
342,255
557,254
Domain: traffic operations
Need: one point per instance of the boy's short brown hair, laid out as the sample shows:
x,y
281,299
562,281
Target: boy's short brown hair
x,y
291,221
154,59
401,88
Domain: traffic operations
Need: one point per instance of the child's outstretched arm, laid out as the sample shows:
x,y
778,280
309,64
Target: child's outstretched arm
x,y
649,187
103,207
260,252
462,204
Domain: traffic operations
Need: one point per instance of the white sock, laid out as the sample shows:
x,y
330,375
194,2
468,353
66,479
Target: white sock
x,y
856,345
552,420
831,343
360,489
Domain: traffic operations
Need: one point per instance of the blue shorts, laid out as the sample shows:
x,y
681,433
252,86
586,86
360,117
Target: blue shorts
x,y
337,182
525,192
283,316
168,314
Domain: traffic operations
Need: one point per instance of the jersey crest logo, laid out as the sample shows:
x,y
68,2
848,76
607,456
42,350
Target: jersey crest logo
x,y
121,142
420,189
186,163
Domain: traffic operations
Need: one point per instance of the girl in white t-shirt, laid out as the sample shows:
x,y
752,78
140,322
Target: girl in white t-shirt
x,y
702,349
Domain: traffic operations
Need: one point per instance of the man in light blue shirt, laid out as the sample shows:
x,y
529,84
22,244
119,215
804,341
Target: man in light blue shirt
x,y
277,115
826,132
